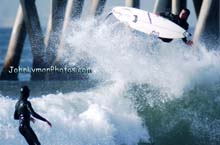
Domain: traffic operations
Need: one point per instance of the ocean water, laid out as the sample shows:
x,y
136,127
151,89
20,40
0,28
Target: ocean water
x,y
146,92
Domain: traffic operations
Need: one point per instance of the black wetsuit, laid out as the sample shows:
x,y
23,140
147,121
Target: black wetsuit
x,y
23,112
178,21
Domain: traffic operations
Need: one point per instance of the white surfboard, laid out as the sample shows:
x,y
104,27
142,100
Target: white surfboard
x,y
149,23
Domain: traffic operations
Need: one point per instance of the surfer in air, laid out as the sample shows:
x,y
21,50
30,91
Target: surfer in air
x,y
174,27
180,20
23,113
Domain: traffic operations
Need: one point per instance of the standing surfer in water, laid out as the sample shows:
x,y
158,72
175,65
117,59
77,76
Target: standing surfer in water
x,y
23,113
180,20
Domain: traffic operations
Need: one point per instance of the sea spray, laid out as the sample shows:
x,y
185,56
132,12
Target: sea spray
x,y
175,84
100,116
168,89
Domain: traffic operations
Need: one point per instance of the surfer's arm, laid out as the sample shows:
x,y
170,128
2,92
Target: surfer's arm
x,y
163,14
34,114
32,119
167,15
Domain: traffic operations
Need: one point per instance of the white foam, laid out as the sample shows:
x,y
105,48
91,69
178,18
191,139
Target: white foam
x,y
100,116
103,115
123,55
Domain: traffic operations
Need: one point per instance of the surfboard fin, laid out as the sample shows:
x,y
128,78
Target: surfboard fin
x,y
109,14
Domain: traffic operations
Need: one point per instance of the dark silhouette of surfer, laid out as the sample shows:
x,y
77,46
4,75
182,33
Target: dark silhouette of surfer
x,y
180,20
23,113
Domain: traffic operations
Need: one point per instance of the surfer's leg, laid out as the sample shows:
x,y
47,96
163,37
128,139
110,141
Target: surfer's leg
x,y
33,136
24,131
29,135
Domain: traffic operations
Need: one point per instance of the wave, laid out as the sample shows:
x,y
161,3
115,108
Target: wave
x,y
149,91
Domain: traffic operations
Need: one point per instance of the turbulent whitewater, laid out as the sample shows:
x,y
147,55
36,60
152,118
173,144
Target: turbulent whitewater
x,y
148,91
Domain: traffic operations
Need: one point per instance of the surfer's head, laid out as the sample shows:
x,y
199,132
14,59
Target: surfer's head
x,y
25,91
184,14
